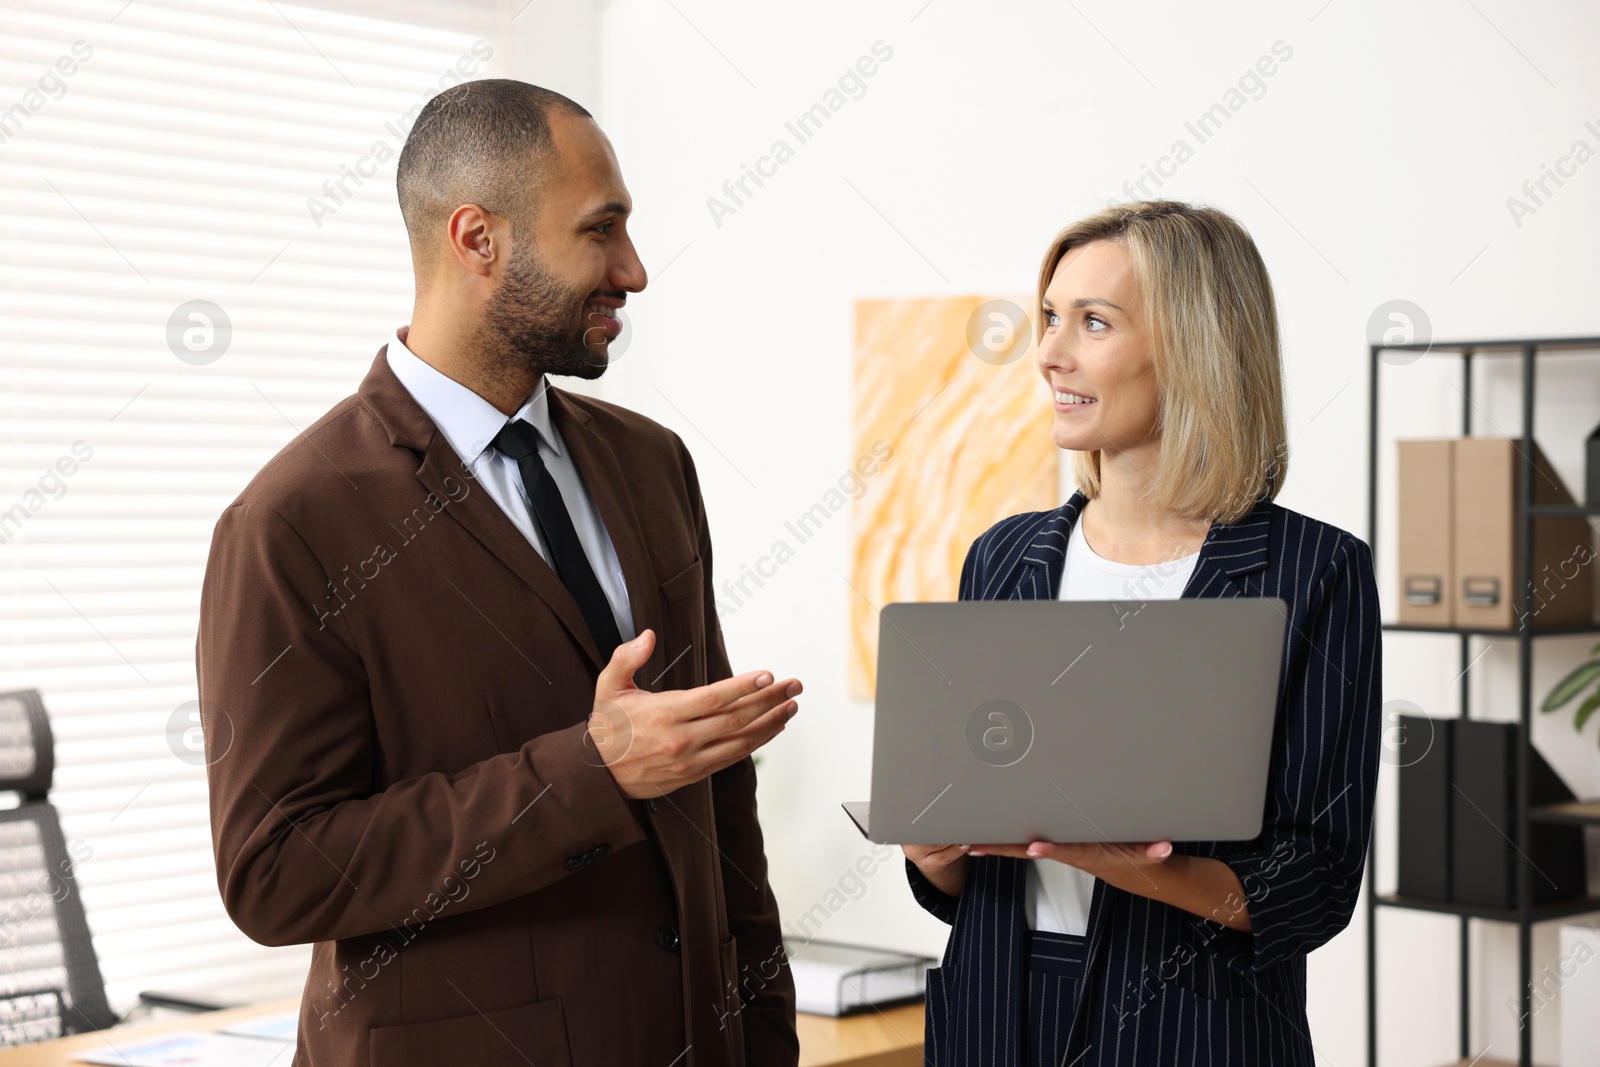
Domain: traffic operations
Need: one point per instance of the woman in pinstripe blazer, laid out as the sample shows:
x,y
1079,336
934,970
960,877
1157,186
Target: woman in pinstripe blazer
x,y
1161,316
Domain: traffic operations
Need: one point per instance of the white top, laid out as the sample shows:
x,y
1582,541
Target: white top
x,y
469,423
1057,896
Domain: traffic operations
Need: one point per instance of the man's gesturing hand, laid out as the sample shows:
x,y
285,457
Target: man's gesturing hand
x,y
654,743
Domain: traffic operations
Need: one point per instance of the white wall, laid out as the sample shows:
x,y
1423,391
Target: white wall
x,y
1376,165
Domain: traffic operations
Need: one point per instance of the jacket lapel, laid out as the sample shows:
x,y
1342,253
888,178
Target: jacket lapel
x,y
1045,559
602,475
1231,553
443,474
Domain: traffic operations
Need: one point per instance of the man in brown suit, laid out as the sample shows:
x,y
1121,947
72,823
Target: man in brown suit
x,y
470,725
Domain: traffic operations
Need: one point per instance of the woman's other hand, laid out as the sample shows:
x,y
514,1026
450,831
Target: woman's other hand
x,y
1114,863
1197,884
943,865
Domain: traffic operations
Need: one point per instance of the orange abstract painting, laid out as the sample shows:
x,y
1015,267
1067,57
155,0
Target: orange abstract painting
x,y
951,384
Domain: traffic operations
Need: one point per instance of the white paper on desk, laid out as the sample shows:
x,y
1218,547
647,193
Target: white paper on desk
x,y
185,1048
280,1026
832,979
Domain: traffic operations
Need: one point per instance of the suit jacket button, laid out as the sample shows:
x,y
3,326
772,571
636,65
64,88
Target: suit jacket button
x,y
574,862
667,938
599,851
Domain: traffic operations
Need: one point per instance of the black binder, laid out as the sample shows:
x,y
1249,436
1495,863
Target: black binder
x,y
1483,867
1423,756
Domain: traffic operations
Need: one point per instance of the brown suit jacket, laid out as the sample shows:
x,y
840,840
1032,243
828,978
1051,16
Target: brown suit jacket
x,y
394,688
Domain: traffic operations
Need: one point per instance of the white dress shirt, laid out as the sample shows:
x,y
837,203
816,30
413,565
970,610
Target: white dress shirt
x,y
469,423
1057,896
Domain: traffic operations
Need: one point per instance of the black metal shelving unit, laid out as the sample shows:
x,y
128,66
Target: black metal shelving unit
x,y
1524,916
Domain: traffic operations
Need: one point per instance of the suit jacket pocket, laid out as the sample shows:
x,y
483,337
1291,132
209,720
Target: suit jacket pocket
x,y
684,584
681,644
510,1037
1263,1030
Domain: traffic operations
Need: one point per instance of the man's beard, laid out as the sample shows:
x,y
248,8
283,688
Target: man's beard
x,y
529,323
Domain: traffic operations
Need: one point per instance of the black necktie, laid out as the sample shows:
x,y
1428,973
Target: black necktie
x,y
520,441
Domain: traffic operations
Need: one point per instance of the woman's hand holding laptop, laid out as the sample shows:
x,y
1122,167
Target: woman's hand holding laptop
x,y
945,865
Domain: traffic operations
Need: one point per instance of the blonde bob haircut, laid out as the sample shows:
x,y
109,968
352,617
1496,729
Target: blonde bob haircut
x,y
1213,328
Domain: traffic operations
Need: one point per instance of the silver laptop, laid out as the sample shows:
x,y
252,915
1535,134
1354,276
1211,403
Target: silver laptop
x,y
1077,720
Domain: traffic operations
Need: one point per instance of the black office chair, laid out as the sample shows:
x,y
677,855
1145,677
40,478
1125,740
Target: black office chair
x,y
50,982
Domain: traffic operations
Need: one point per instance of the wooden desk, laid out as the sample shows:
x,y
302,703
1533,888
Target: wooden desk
x,y
58,1052
891,1038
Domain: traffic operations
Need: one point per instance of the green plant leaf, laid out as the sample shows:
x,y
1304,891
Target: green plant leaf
x,y
1571,685
1585,710
1595,650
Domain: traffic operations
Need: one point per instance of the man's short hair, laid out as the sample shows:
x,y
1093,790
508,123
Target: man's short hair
x,y
484,142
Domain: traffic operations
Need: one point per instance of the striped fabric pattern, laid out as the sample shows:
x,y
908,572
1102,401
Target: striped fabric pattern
x,y
1051,975
1163,986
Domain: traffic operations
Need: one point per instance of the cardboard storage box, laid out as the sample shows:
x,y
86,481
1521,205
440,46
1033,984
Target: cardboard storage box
x,y
1425,545
1486,475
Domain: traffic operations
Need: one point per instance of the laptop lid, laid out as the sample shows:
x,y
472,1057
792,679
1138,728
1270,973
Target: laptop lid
x,y
1078,720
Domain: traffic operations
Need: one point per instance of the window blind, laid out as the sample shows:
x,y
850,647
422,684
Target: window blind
x,y
200,252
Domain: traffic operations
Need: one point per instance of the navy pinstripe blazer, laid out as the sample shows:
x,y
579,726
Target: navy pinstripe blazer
x,y
1164,986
